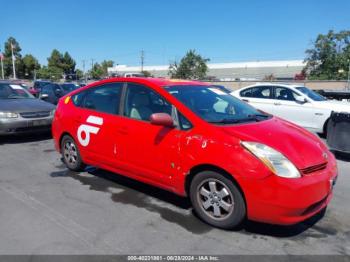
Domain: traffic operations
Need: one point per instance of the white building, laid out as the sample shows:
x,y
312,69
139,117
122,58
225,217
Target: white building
x,y
285,69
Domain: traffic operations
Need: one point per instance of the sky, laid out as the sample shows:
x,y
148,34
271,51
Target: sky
x,y
221,30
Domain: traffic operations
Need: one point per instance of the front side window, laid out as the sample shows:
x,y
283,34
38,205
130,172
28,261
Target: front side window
x,y
311,94
215,106
141,102
257,92
104,98
283,93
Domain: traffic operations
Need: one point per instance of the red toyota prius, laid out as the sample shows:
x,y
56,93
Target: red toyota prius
x,y
231,160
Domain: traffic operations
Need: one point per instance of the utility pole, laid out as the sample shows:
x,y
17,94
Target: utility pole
x,y
142,59
84,74
13,62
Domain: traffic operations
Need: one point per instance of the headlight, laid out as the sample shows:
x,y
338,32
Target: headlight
x,y
8,115
53,111
273,159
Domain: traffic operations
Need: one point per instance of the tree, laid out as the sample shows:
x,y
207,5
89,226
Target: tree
x,y
55,60
105,64
30,64
68,64
192,66
8,68
53,73
147,73
330,56
97,71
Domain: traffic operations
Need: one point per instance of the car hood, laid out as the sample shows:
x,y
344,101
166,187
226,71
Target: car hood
x,y
24,105
300,146
336,106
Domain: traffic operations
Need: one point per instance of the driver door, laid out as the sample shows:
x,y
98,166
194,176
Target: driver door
x,y
287,107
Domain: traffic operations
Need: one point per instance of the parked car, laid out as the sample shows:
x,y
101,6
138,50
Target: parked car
x,y
68,87
39,84
294,103
134,75
233,162
51,93
31,90
20,112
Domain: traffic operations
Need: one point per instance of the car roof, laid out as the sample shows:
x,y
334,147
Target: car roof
x,y
273,84
159,81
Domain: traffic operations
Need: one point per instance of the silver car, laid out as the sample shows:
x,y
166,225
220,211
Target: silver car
x,y
21,112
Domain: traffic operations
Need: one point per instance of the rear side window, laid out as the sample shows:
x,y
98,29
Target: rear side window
x,y
264,92
104,98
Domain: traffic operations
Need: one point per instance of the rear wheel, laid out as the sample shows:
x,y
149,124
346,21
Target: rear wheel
x,y
71,155
217,200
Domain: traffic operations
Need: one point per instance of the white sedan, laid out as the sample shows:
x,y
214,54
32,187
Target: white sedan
x,y
295,103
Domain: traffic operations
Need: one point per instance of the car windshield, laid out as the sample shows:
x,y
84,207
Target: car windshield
x,y
215,106
69,87
13,91
311,94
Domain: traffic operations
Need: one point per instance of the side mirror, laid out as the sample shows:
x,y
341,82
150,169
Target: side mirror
x,y
44,96
162,119
58,92
301,100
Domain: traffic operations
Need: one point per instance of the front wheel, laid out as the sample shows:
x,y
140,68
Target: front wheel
x,y
71,155
217,200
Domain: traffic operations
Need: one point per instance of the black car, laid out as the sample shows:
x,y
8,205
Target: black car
x,y
21,112
51,93
40,83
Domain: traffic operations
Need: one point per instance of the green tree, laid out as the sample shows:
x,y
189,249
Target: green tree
x,y
8,69
30,64
105,64
330,56
68,64
97,71
191,66
79,73
53,73
147,73
55,60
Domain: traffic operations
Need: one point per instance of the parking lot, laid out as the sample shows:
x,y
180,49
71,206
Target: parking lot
x,y
46,209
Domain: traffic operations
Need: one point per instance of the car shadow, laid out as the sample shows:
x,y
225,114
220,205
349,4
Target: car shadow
x,y
25,138
132,192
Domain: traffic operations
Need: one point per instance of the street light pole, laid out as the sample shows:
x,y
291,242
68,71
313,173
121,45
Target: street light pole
x,y
2,64
348,86
13,62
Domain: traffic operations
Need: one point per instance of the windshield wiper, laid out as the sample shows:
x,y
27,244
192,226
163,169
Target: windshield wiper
x,y
249,118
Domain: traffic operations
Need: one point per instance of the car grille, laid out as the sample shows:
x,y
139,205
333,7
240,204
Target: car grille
x,y
35,114
315,168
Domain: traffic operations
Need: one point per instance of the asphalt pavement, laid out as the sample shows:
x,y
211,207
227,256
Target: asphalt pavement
x,y
46,209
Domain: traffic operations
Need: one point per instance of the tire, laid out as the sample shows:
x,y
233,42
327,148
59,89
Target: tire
x,y
71,155
209,192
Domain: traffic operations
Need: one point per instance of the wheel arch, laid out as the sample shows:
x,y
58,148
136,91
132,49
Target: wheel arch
x,y
209,167
62,136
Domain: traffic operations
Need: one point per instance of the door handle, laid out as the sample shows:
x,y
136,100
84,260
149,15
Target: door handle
x,y
245,100
277,104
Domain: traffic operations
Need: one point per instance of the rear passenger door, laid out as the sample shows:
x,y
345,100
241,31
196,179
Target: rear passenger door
x,y
98,112
260,97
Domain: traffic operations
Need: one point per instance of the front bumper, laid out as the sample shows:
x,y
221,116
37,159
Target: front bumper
x,y
22,125
283,201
